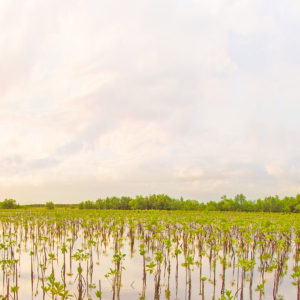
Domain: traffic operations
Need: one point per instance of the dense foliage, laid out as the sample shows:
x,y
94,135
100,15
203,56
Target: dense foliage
x,y
238,203
9,204
50,205
165,202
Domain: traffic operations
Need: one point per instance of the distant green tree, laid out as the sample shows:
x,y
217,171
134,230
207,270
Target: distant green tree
x,y
249,206
9,204
226,204
259,205
297,209
274,204
292,202
87,205
239,201
211,206
49,205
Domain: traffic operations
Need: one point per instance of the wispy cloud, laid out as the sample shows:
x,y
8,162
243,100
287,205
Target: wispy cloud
x,y
193,98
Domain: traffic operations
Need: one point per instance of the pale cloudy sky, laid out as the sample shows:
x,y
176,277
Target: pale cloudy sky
x,y
190,98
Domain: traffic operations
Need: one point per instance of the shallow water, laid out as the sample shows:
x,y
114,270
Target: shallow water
x,y
45,235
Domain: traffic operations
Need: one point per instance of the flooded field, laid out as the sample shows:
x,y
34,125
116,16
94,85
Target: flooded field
x,y
89,254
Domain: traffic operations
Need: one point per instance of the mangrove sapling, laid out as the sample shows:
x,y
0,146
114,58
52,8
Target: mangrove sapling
x,y
43,269
99,292
223,261
89,264
201,253
14,290
189,261
168,245
159,259
71,244
80,256
55,289
282,249
132,229
202,279
177,251
246,266
215,256
151,269
118,259
52,258
252,258
143,253
64,250
262,267
116,273
31,269
226,296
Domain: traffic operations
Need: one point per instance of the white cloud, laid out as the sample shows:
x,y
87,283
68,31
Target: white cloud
x,y
197,98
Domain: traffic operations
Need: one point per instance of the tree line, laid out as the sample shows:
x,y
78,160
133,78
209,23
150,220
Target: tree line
x,y
165,202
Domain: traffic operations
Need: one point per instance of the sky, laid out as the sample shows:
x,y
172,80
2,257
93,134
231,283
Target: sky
x,y
192,98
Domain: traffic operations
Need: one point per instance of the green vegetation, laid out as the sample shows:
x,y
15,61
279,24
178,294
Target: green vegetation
x,y
50,205
178,254
164,202
9,204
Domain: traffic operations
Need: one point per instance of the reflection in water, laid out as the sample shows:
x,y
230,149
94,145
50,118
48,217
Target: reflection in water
x,y
150,255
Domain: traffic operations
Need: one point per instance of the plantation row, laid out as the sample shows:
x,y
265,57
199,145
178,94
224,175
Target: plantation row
x,y
97,254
